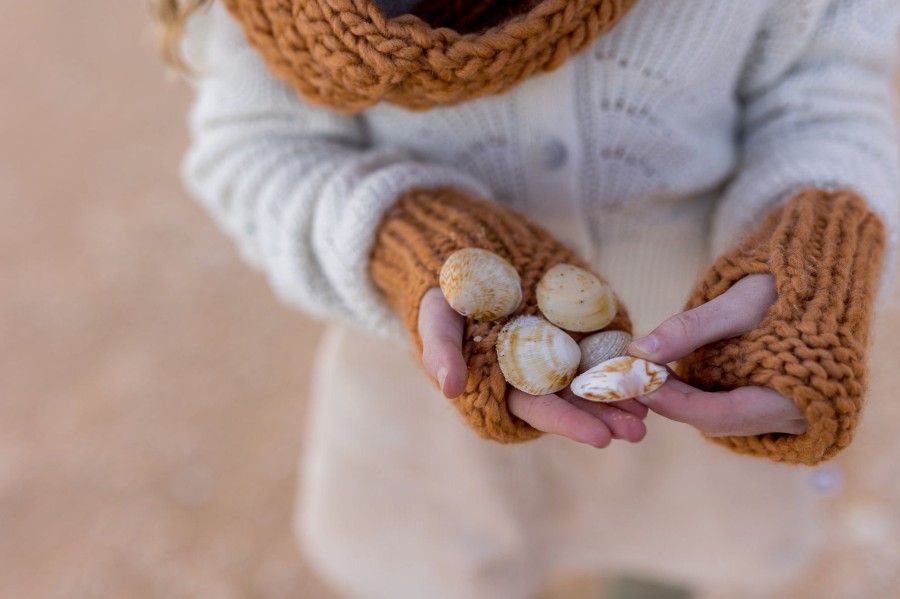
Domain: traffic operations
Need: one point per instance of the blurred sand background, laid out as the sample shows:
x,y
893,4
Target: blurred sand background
x,y
152,388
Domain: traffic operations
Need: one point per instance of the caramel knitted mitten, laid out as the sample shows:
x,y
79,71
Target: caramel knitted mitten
x,y
824,250
414,239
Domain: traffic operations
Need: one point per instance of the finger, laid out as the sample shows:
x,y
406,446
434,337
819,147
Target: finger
x,y
441,330
553,414
735,312
631,406
621,423
740,411
623,418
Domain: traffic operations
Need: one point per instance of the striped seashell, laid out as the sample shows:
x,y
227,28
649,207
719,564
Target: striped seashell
x,y
601,347
535,356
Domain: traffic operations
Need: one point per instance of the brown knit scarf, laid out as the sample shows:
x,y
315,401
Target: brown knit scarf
x,y
347,55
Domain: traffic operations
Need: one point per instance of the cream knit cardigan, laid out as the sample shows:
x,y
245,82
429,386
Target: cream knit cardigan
x,y
650,152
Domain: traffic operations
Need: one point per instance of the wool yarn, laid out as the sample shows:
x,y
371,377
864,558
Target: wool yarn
x,y
347,55
414,239
825,251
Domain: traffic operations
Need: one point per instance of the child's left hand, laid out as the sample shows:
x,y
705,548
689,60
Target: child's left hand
x,y
740,412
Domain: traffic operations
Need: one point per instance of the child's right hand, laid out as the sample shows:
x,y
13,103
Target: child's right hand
x,y
442,330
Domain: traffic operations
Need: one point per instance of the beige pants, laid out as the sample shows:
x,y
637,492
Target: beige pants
x,y
399,499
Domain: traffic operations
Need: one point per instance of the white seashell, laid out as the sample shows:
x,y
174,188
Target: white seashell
x,y
574,299
536,357
620,378
601,347
480,284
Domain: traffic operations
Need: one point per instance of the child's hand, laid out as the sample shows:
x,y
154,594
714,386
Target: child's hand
x,y
741,412
442,329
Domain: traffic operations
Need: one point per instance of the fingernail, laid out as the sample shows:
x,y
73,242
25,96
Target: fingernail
x,y
442,376
646,345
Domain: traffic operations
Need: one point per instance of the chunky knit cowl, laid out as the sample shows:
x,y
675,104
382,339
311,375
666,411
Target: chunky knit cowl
x,y
347,55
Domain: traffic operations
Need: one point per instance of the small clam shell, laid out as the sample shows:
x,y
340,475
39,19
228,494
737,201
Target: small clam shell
x,y
480,284
620,378
601,347
535,356
575,299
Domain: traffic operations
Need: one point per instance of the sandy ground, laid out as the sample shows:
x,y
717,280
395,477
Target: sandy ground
x,y
151,387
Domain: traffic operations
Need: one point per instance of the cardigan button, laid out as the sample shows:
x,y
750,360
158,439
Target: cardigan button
x,y
553,154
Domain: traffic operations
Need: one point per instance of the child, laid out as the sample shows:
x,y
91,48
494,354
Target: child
x,y
349,147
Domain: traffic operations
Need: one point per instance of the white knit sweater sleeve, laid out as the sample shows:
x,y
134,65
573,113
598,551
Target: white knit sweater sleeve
x,y
818,111
295,185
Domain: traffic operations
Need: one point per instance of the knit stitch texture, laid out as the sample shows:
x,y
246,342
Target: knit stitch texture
x,y
417,235
825,251
348,55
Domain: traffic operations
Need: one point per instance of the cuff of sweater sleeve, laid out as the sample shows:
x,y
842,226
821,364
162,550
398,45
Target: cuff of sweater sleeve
x,y
782,171
824,250
344,233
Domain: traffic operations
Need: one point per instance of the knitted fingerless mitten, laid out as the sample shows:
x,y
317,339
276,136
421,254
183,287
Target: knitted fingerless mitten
x,y
824,250
414,239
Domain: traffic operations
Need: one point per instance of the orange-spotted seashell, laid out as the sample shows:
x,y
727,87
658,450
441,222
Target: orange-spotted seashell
x,y
575,299
621,378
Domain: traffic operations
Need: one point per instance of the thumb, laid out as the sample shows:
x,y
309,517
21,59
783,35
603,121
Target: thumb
x,y
735,312
441,330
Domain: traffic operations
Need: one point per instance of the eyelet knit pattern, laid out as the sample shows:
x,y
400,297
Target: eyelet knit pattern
x,y
417,235
347,55
825,251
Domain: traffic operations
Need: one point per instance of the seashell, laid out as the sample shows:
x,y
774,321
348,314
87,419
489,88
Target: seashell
x,y
575,299
535,356
620,378
480,284
601,347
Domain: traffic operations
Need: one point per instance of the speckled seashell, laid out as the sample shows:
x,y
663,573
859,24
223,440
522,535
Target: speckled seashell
x,y
601,347
536,357
480,284
620,378
575,299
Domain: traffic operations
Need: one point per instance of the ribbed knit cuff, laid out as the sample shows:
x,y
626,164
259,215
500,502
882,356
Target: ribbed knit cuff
x,y
416,236
824,250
